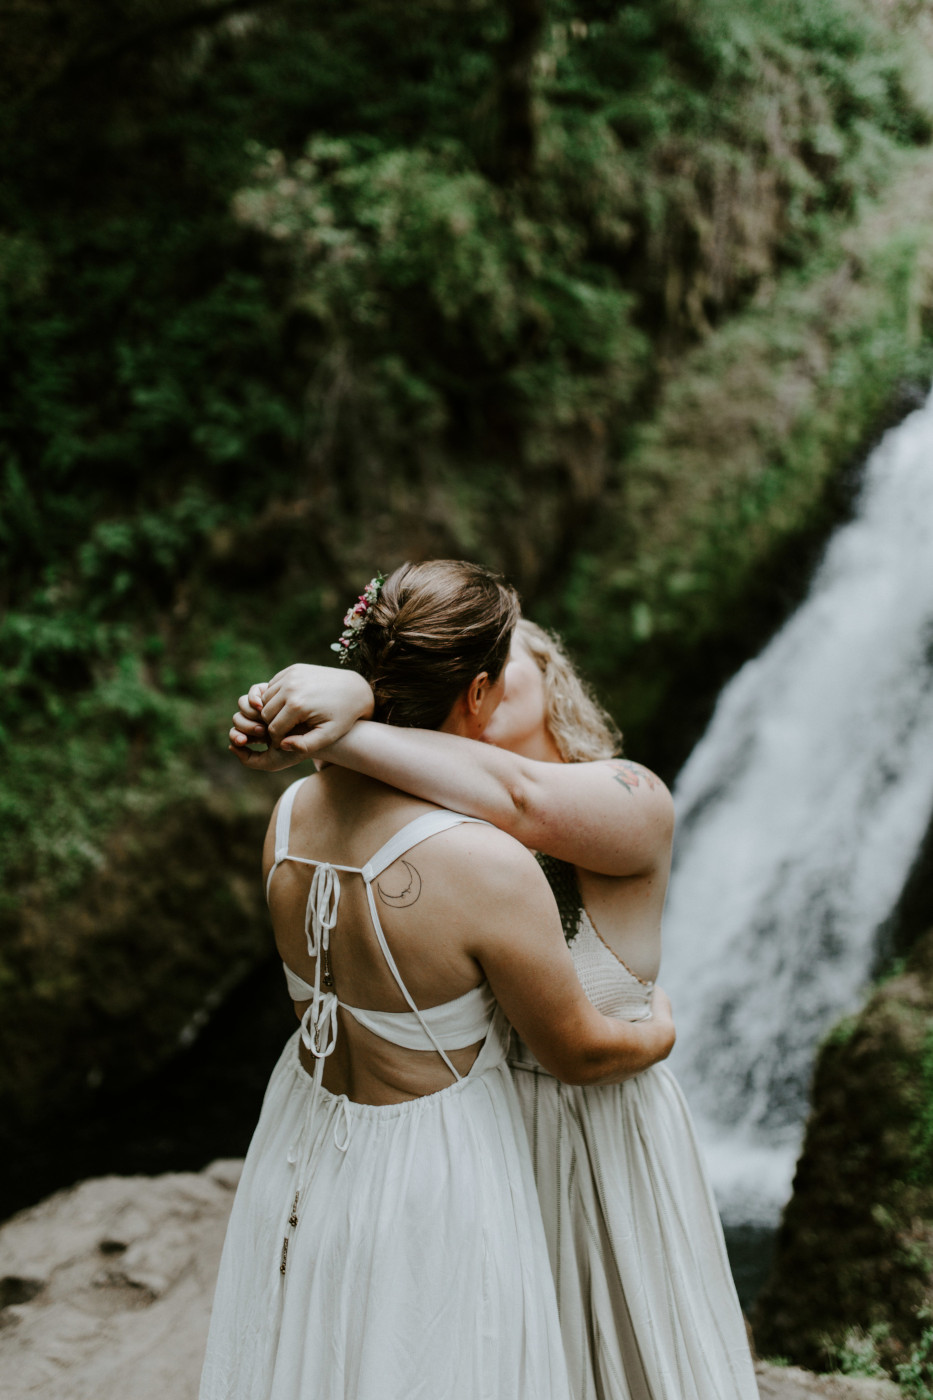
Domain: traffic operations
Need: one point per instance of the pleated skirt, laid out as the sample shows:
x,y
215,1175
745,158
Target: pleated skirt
x,y
413,1263
647,1304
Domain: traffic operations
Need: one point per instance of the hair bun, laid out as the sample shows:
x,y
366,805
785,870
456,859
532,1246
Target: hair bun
x,y
434,627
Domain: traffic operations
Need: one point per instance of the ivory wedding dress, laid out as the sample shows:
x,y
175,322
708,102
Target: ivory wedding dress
x,y
385,1252
647,1305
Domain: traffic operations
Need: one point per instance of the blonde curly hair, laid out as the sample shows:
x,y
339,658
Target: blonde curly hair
x,y
582,730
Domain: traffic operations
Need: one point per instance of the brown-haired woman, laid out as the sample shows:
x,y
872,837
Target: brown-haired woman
x,y
647,1305
386,1241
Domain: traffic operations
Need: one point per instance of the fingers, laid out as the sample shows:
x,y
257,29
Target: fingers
x,y
254,699
249,758
247,707
253,730
272,702
240,740
287,717
308,744
661,1003
267,761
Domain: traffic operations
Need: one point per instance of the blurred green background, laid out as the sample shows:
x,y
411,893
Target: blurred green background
x,y
609,296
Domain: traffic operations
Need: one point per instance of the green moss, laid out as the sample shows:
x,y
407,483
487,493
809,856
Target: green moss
x,y
841,1033
922,1145
915,1376
853,1275
621,363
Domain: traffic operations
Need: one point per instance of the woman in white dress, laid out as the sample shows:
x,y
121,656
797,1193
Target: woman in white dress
x,y
647,1304
386,1242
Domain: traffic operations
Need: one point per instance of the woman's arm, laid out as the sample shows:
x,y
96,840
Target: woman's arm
x,y
520,946
311,705
613,817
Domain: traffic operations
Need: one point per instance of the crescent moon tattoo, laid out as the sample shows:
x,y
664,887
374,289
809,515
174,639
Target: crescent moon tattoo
x,y
406,896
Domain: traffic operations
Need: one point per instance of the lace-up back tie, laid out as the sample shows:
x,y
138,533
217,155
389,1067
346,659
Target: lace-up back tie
x,y
451,1026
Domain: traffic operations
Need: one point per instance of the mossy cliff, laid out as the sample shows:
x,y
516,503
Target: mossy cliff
x,y
608,297
853,1270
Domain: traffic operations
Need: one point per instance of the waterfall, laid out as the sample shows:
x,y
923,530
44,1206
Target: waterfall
x,y
800,813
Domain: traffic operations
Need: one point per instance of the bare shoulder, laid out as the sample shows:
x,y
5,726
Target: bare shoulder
x,y
634,783
478,851
633,776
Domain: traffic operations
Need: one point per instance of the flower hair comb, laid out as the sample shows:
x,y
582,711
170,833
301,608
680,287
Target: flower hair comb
x,y
356,619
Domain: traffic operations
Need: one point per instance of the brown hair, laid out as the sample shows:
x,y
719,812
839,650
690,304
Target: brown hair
x,y
434,628
582,730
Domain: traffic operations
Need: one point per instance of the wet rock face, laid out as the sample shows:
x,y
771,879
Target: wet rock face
x,y
111,983
105,1289
854,1256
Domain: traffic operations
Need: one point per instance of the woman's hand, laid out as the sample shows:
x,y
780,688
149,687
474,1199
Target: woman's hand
x,y
661,1005
662,1012
299,713
248,728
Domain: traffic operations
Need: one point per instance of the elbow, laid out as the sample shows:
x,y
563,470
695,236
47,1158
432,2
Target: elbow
x,y
667,1039
582,1069
585,1076
598,1064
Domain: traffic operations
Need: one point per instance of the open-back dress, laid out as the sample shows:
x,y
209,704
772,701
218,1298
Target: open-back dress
x,y
648,1308
385,1252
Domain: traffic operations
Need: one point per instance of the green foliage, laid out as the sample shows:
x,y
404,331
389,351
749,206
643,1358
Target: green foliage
x,y
433,299
842,1032
724,474
857,1353
915,1376
922,1144
278,304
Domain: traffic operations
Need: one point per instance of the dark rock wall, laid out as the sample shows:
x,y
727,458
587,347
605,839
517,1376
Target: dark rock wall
x,y
855,1247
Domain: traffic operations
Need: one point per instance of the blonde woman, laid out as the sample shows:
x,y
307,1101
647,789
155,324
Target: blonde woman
x,y
647,1305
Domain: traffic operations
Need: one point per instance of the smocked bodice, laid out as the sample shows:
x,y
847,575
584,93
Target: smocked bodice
x,y
608,983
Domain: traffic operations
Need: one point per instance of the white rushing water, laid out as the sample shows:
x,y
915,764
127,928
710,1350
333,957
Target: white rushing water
x,y
800,813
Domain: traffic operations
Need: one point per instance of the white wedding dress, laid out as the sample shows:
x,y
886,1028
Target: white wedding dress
x,y
386,1252
647,1305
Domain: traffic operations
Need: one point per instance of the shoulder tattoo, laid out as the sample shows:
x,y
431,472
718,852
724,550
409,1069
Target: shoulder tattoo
x,y
631,775
404,887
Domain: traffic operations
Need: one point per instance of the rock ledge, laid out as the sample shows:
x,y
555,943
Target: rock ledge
x,y
105,1290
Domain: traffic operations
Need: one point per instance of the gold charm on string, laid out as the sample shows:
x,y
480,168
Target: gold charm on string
x,y
292,1222
328,974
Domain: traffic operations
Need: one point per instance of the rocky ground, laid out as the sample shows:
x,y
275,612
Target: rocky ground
x,y
105,1293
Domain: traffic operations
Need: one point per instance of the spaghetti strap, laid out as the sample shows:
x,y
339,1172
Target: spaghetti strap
x,y
283,824
319,1022
412,834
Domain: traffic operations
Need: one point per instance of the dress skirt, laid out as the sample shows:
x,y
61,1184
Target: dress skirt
x,y
387,1252
647,1304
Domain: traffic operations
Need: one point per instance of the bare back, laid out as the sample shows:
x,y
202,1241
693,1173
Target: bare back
x,y
425,904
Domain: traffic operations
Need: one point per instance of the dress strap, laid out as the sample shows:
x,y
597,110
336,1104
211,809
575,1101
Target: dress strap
x,y
410,835
283,824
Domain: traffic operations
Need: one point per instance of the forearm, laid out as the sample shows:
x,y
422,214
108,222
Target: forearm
x,y
584,1047
461,774
637,1046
